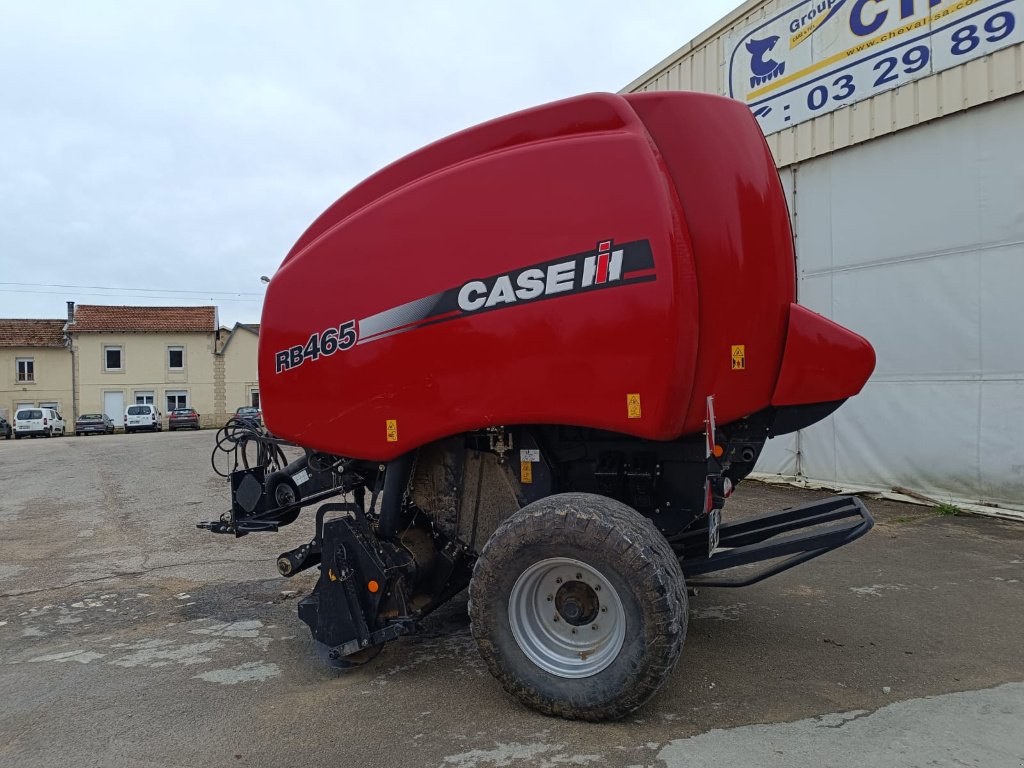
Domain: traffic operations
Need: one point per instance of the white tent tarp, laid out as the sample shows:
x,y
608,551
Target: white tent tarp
x,y
916,241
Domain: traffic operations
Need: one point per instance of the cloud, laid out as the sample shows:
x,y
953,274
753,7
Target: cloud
x,y
187,145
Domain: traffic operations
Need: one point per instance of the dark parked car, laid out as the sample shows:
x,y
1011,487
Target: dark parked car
x,y
5,428
250,414
182,418
94,424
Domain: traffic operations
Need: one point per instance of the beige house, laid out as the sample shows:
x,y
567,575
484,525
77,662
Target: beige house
x,y
237,356
35,366
131,355
106,358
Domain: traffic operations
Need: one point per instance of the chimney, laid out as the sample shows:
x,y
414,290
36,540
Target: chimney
x,y
71,312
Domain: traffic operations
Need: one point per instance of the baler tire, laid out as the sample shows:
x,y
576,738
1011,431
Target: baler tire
x,y
623,547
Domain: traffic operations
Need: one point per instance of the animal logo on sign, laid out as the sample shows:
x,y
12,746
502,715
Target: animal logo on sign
x,y
762,69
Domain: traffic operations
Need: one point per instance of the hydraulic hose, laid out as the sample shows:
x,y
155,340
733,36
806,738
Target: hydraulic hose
x,y
234,439
396,481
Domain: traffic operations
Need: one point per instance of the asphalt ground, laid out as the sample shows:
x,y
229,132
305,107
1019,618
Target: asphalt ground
x,y
130,638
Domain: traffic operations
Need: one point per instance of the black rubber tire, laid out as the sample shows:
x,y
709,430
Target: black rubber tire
x,y
636,559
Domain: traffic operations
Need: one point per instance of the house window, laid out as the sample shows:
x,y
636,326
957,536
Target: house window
x,y
26,369
177,399
176,358
255,398
112,359
144,398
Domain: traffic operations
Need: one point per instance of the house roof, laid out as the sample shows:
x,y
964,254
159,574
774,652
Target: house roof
x,y
93,318
250,327
31,333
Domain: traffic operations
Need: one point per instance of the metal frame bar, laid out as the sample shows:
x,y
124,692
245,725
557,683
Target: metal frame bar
x,y
756,540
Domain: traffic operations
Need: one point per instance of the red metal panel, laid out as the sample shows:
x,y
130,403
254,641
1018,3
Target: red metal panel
x,y
546,193
593,113
739,225
823,361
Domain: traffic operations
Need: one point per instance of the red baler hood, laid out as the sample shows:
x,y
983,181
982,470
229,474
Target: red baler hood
x,y
598,261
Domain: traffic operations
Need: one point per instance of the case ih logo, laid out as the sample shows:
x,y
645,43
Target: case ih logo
x,y
608,266
536,282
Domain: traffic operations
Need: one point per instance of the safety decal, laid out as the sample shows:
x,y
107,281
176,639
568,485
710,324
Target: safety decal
x,y
633,405
391,430
526,472
739,357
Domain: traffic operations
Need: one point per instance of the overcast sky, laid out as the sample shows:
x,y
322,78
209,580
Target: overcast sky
x,y
184,146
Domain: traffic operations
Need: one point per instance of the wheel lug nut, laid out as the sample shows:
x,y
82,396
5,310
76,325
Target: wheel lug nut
x,y
574,631
550,598
556,617
604,609
597,587
593,626
558,580
579,576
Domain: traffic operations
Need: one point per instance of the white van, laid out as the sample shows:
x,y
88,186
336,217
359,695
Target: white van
x,y
37,421
142,416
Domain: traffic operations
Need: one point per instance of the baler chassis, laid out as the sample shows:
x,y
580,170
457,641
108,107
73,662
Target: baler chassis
x,y
417,530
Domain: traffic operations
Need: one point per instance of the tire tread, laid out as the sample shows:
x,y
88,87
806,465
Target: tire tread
x,y
594,523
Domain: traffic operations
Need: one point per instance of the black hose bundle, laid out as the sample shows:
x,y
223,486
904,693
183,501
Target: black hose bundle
x,y
238,438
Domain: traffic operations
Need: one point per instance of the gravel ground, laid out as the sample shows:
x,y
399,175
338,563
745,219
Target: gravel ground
x,y
130,638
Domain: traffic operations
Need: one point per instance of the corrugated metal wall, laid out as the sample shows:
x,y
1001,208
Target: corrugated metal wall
x,y
699,66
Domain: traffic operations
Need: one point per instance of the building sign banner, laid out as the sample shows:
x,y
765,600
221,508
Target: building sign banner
x,y
820,55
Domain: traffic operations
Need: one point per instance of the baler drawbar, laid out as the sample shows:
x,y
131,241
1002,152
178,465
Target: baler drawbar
x,y
534,359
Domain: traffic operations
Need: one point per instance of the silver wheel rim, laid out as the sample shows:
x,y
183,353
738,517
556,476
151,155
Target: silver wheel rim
x,y
566,617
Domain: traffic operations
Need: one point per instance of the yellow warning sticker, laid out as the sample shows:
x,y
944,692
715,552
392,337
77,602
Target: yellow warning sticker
x,y
392,430
633,405
525,472
739,357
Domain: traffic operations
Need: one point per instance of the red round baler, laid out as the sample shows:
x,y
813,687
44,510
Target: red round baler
x,y
538,355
